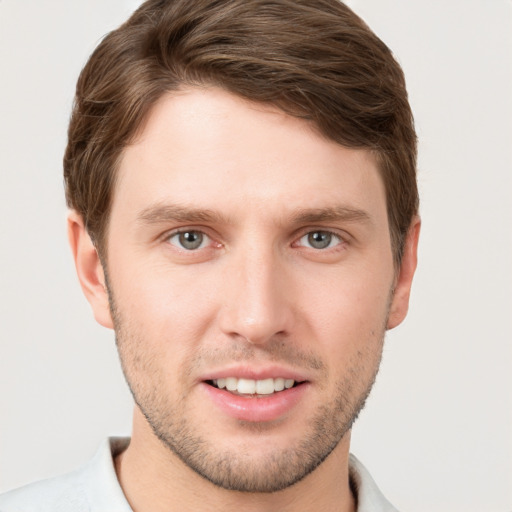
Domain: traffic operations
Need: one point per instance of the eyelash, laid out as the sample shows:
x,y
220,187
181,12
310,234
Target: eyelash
x,y
310,233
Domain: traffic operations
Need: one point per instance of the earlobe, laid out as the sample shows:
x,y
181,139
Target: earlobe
x,y
89,269
402,291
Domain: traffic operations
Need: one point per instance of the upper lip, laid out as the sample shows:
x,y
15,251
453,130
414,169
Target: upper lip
x,y
256,373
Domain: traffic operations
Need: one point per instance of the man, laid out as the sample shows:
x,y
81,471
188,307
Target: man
x,y
241,176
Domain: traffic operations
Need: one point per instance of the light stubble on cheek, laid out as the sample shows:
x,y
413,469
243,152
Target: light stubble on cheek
x,y
167,399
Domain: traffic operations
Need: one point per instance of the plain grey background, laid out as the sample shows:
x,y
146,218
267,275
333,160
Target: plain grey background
x,y
437,431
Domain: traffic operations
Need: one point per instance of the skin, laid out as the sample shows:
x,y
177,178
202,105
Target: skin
x,y
256,295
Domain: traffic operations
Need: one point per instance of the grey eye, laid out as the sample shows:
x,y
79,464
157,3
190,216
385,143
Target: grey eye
x,y
189,240
320,239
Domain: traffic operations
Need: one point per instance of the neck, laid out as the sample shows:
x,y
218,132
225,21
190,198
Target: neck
x,y
155,479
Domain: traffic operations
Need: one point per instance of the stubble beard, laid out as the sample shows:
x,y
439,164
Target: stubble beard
x,y
246,471
242,470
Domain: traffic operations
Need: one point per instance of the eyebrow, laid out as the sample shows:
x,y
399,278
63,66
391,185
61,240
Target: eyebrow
x,y
331,214
162,213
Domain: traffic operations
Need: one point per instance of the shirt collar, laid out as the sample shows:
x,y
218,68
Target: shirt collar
x,y
101,477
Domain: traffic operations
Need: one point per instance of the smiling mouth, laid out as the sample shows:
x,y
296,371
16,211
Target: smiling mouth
x,y
250,387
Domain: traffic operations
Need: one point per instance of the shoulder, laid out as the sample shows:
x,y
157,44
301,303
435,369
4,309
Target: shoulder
x,y
91,488
64,493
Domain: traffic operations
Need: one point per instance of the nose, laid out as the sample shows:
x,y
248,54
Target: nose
x,y
258,297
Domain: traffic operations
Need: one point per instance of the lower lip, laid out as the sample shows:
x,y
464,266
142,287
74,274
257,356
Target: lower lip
x,y
258,408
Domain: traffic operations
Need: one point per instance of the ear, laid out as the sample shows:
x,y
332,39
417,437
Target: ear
x,y
89,269
402,292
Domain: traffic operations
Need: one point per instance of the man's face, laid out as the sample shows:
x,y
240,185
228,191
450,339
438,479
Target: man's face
x,y
247,251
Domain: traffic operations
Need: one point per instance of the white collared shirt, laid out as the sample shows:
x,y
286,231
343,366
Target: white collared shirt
x,y
94,488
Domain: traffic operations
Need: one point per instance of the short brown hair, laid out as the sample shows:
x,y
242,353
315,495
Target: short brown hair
x,y
313,59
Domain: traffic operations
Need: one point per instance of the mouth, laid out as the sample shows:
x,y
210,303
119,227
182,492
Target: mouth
x,y
253,387
256,399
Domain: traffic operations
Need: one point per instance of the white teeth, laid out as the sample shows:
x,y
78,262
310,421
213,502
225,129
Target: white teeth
x,y
231,383
246,386
279,384
251,387
265,387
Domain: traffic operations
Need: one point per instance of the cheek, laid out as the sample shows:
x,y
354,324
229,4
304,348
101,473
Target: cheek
x,y
348,323
349,331
168,310
348,305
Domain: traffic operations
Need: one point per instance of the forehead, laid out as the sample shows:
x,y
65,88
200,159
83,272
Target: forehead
x,y
207,148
